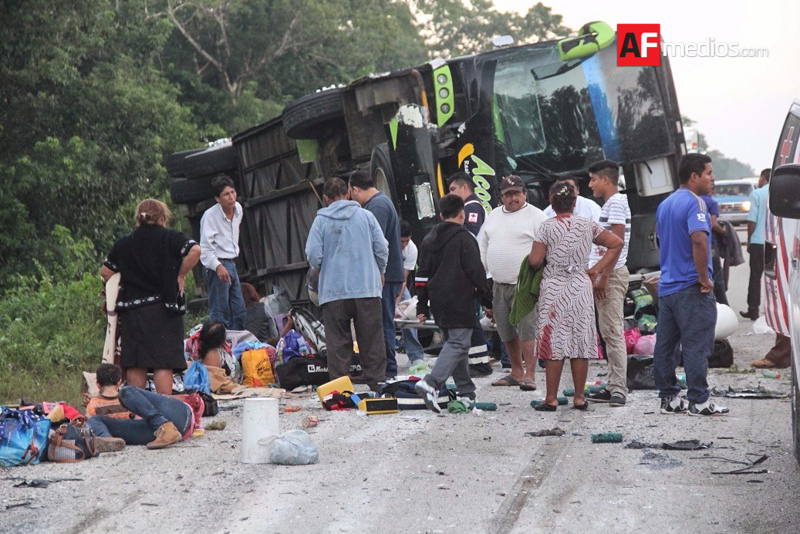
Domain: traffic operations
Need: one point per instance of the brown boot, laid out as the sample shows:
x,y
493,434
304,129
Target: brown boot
x,y
166,435
110,444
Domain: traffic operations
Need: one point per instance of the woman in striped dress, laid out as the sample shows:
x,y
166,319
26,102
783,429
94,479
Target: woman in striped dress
x,y
565,326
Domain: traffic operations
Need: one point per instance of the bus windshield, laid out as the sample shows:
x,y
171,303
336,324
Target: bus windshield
x,y
562,116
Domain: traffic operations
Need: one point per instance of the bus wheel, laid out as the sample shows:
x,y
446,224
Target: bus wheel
x,y
380,168
303,117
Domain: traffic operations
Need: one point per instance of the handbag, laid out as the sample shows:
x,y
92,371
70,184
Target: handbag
x,y
72,443
23,437
210,405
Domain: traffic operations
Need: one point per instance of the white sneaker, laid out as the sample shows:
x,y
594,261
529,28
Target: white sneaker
x,y
429,395
707,408
675,404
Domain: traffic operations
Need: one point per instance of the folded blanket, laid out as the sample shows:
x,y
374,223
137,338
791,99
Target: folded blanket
x,y
526,294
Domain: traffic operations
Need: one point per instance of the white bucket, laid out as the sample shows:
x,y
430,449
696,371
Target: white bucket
x,y
259,426
727,322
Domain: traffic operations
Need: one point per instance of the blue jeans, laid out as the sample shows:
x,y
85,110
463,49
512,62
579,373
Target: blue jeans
x,y
503,356
225,302
686,318
388,302
154,410
410,340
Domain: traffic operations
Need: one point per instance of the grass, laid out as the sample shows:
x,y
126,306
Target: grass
x,y
49,334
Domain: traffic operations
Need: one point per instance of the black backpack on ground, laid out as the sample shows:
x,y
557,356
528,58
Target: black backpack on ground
x,y
409,399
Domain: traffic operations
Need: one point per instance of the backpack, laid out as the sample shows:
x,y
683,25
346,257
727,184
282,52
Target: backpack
x,y
721,355
23,437
71,443
311,329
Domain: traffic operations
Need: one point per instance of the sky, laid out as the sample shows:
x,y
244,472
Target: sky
x,y
739,104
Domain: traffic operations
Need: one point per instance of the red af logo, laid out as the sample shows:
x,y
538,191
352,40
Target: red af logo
x,y
638,45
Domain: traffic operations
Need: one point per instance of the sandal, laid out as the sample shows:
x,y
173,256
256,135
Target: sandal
x,y
582,407
526,384
507,380
545,407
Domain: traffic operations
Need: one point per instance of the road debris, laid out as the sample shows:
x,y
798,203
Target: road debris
x,y
547,432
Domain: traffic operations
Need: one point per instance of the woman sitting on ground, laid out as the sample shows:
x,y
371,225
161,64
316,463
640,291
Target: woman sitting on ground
x,y
213,353
137,416
565,326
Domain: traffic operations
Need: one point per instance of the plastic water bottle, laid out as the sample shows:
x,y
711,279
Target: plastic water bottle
x,y
769,373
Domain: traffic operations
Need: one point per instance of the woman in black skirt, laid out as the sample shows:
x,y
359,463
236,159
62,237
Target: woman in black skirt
x,y
153,262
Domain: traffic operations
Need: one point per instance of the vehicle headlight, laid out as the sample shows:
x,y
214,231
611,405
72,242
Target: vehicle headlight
x,y
746,205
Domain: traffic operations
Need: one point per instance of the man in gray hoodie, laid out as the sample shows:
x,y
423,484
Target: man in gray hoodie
x,y
347,247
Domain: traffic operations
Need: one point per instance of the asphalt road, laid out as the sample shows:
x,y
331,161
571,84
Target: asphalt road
x,y
419,472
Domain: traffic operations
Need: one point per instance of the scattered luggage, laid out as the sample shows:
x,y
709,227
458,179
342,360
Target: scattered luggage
x,y
72,443
23,437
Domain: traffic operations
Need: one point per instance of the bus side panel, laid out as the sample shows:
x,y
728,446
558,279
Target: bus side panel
x,y
279,196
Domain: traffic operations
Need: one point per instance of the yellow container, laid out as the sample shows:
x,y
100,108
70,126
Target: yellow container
x,y
377,406
341,385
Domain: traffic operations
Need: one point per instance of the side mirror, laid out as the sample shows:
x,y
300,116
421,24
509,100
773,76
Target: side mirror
x,y
784,191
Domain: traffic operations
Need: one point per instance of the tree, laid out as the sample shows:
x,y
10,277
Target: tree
x,y
287,47
85,121
457,27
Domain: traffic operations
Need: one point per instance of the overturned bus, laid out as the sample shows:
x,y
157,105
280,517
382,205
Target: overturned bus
x,y
540,111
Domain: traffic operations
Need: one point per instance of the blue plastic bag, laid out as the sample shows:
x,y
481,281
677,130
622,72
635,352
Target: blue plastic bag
x,y
291,346
23,437
196,377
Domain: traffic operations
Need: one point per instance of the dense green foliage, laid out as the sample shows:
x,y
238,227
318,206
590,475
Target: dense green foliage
x,y
94,95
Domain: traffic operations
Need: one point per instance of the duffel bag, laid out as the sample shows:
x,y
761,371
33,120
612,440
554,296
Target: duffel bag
x,y
408,398
303,371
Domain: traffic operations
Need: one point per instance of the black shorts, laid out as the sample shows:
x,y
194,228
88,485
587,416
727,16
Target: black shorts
x,y
151,338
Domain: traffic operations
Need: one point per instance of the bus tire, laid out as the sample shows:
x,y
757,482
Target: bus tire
x,y
380,168
183,191
303,117
174,162
211,161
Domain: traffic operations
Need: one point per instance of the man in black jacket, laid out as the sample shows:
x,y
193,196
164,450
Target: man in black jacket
x,y
461,185
450,276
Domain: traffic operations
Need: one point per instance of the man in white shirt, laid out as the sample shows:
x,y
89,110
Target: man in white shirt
x,y
583,206
414,351
505,239
611,285
219,248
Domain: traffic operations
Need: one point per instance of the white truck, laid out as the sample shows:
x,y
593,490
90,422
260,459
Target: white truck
x,y
782,251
